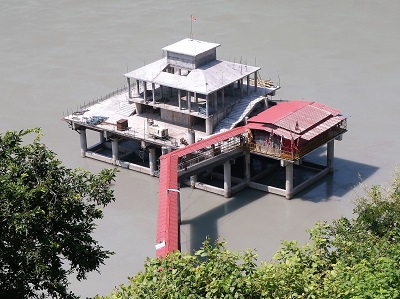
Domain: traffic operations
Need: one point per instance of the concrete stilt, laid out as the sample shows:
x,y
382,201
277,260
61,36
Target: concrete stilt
x,y
153,92
102,138
152,160
209,126
223,97
247,172
164,150
248,85
179,99
82,136
289,180
191,139
129,88
115,150
330,155
137,87
144,90
255,80
189,102
241,88
227,179
207,106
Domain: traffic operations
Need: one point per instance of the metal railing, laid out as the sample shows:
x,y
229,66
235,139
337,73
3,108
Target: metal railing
x,y
103,98
210,152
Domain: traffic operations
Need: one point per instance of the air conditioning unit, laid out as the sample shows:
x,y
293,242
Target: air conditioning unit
x,y
158,131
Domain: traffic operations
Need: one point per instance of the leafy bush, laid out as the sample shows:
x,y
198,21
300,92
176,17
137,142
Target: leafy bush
x,y
47,215
350,258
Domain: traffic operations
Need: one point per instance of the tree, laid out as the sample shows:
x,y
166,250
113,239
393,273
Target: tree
x,y
349,258
47,216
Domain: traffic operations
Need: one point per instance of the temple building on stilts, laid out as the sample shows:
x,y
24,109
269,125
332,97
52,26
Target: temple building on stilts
x,y
193,119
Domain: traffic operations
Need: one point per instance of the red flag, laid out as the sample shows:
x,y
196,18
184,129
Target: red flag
x,y
193,18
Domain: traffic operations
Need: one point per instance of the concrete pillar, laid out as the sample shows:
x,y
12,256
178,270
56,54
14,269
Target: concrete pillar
x,y
137,87
179,99
114,149
289,180
196,98
161,92
255,80
241,88
83,140
330,155
207,106
138,108
102,138
144,90
209,126
164,150
191,140
248,85
223,97
191,136
216,101
227,179
153,92
189,102
152,160
129,88
247,172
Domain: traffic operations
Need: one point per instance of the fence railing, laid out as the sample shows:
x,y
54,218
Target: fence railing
x,y
210,152
103,98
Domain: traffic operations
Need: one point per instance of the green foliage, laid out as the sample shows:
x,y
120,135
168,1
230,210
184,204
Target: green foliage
x,y
47,215
350,258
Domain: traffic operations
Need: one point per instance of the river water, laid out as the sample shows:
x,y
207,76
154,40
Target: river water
x,y
56,55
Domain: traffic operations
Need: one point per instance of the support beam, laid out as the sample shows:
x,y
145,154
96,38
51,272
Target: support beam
x,y
179,99
102,138
241,87
115,150
247,170
153,92
223,97
129,88
209,125
255,80
144,90
189,102
207,106
137,87
248,85
227,179
152,160
83,140
330,155
289,180
191,139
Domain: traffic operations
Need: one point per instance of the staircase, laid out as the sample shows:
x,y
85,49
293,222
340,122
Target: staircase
x,y
238,113
127,109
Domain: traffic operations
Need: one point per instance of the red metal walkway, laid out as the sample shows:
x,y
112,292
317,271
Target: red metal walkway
x,y
167,238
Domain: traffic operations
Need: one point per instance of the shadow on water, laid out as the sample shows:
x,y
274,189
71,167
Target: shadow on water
x,y
206,224
340,183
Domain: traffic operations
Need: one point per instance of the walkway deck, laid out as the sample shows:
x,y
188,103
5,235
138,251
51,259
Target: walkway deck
x,y
168,204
